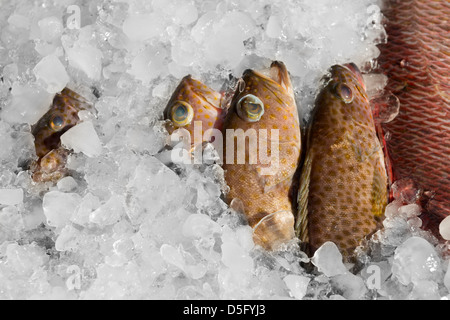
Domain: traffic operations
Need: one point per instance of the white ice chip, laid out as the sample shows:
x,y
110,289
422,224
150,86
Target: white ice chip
x,y
297,285
416,260
83,138
52,73
11,197
328,260
444,228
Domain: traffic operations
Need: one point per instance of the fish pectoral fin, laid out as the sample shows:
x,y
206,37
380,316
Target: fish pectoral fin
x,y
301,223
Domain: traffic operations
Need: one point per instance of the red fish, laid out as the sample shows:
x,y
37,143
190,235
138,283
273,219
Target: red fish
x,y
416,60
62,116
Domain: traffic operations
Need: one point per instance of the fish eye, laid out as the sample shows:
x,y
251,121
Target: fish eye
x,y
344,92
250,108
181,113
56,123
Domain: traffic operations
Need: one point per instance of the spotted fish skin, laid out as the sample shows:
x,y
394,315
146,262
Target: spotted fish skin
x,y
416,60
265,199
62,115
343,184
205,106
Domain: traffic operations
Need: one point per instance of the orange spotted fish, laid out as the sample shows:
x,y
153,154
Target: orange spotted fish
x,y
62,116
416,60
343,186
191,102
264,102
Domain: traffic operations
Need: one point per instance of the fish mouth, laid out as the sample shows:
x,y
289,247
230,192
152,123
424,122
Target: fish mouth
x,y
356,72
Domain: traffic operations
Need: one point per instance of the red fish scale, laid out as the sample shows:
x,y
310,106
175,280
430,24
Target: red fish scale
x,y
416,60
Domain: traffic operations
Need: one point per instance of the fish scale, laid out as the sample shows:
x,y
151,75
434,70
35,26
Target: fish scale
x,y
416,60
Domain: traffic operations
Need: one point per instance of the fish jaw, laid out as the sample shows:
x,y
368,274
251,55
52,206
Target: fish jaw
x,y
265,197
51,167
205,105
343,184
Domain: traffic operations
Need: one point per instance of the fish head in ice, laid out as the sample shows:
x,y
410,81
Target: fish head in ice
x,y
47,132
195,105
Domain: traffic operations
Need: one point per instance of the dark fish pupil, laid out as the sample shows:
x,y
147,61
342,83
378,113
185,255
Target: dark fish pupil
x,y
57,121
181,112
346,92
253,107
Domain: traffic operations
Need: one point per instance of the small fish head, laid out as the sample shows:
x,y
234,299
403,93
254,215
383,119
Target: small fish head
x,y
63,115
194,102
265,100
344,96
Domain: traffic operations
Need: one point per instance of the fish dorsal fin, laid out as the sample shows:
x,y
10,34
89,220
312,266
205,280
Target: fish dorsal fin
x,y
301,223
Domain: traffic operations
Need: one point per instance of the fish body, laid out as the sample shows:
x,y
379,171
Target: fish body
x,y
194,103
416,60
343,183
263,102
62,115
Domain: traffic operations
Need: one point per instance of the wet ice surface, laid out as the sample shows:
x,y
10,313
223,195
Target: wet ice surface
x,y
128,224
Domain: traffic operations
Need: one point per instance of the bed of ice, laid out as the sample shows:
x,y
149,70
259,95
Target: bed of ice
x,y
128,224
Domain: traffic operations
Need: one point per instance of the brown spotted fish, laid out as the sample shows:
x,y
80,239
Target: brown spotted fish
x,y
343,185
194,103
416,60
62,116
265,107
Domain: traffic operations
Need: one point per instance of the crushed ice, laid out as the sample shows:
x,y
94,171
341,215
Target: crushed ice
x,y
128,223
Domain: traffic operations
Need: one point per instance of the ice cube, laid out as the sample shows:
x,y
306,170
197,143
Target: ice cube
x,y
50,28
274,28
444,228
86,58
11,219
83,138
177,257
149,64
200,226
19,21
67,184
352,287
109,213
88,204
297,285
52,73
68,239
185,14
236,258
141,27
416,260
59,207
29,103
11,197
328,260
425,290
25,259
447,277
